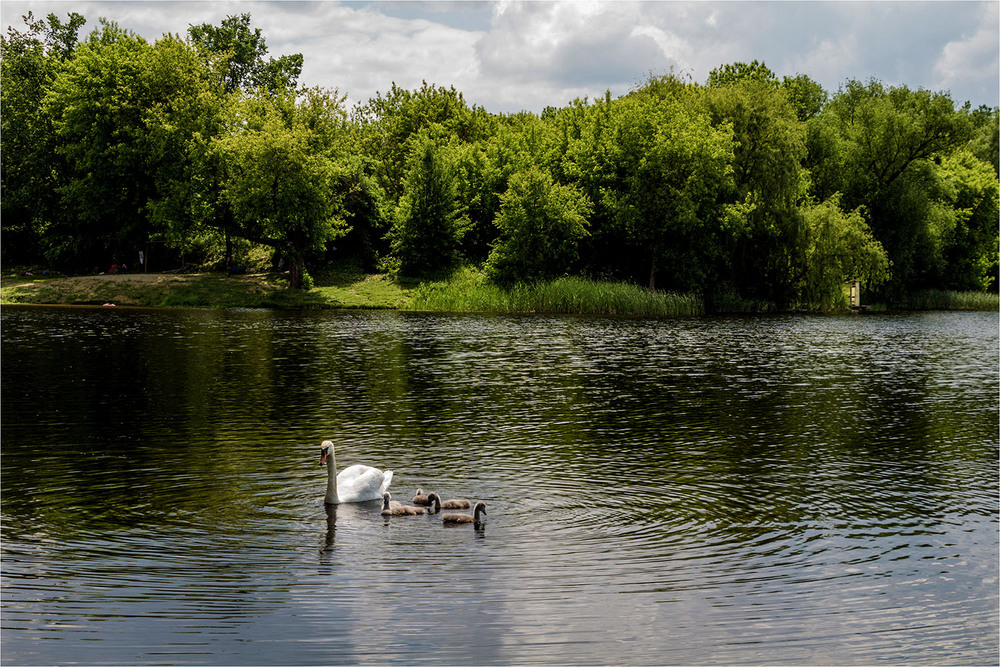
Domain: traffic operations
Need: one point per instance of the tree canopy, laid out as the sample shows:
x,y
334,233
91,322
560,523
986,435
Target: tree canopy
x,y
749,184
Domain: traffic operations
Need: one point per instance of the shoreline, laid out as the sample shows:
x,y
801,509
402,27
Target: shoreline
x,y
200,290
360,291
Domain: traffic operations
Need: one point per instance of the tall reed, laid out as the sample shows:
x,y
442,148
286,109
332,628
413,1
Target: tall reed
x,y
947,300
468,290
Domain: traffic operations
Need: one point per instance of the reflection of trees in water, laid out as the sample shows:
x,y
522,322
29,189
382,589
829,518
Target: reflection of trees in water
x,y
732,421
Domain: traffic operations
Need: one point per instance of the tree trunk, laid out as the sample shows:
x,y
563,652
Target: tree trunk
x,y
652,274
229,251
294,273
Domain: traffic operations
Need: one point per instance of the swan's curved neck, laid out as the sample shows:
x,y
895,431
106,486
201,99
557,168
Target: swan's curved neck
x,y
331,478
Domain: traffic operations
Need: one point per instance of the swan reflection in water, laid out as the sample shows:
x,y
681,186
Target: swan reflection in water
x,y
348,513
331,528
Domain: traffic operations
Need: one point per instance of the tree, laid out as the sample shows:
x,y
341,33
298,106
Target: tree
x,y
30,169
889,141
670,165
839,248
969,245
540,224
123,112
985,141
185,113
281,180
770,183
428,224
240,52
727,75
97,104
806,96
392,125
484,168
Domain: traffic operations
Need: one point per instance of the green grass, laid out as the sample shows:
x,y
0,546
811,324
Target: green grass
x,y
469,291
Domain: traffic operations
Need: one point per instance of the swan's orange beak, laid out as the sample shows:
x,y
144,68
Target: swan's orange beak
x,y
322,458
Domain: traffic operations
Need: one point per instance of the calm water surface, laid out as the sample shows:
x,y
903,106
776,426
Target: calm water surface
x,y
741,490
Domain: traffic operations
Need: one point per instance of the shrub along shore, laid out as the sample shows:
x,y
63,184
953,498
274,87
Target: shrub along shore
x,y
466,290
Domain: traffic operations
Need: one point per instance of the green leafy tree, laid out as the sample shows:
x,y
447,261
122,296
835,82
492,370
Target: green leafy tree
x,y
738,72
889,141
969,245
282,181
429,223
394,123
185,113
240,51
484,168
806,96
770,183
669,166
840,248
30,169
541,224
985,141
122,111
585,148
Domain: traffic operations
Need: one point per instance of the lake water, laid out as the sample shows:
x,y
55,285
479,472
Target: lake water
x,y
787,489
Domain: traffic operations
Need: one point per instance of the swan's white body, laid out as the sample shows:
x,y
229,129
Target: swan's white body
x,y
355,484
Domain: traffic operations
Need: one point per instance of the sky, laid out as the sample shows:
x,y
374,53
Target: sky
x,y
508,56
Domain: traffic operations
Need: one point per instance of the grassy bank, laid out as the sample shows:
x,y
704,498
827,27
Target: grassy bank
x,y
201,290
465,291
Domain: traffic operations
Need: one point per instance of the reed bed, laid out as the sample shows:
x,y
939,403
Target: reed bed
x,y
469,291
947,300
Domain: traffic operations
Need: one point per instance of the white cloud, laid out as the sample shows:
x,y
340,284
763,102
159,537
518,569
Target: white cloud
x,y
362,52
970,62
828,59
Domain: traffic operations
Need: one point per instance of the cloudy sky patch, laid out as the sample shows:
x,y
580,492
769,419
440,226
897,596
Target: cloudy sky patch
x,y
512,55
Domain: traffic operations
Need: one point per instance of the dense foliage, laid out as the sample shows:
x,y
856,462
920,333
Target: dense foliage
x,y
745,187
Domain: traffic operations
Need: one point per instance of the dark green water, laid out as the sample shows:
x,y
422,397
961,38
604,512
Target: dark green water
x,y
807,490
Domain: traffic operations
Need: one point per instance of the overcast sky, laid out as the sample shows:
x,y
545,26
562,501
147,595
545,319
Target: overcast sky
x,y
509,56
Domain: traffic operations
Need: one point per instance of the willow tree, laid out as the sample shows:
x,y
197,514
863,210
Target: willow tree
x,y
839,248
887,143
770,181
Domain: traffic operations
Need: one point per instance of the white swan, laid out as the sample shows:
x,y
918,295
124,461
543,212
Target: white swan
x,y
355,484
